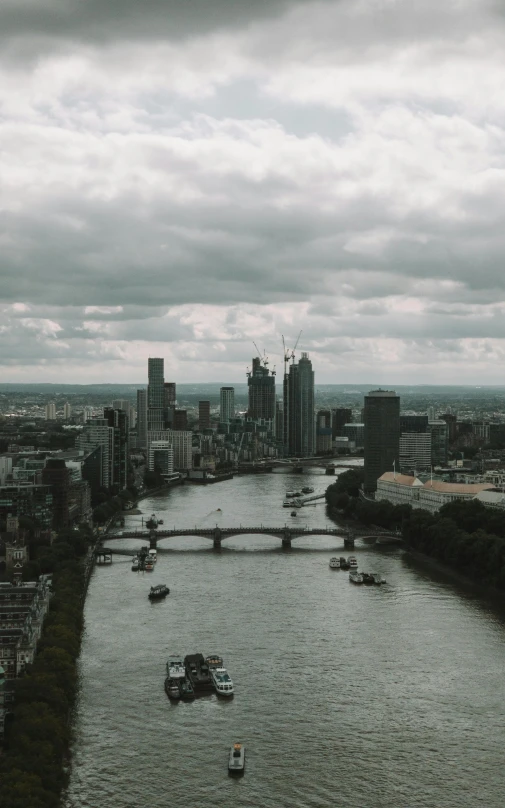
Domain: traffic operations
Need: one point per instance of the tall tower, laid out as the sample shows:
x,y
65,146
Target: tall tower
x,y
142,419
227,404
261,388
203,415
299,425
155,395
382,435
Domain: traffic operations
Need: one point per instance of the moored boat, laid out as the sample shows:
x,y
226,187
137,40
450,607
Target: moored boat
x,y
294,513
158,592
222,681
367,578
307,489
334,563
135,564
353,562
148,565
378,579
355,578
175,667
287,504
172,688
236,761
198,672
152,522
344,564
186,689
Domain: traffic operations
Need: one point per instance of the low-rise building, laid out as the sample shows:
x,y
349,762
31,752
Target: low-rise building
x,y
402,489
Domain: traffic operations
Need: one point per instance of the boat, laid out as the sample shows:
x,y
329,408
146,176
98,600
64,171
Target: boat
x,y
353,562
160,521
152,522
291,494
344,564
186,691
172,688
294,513
287,504
158,592
307,489
297,503
378,579
152,555
198,672
175,667
236,761
148,565
135,564
367,578
355,578
214,661
222,681
334,563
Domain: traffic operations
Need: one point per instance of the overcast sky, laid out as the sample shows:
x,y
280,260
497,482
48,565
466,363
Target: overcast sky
x,y
179,179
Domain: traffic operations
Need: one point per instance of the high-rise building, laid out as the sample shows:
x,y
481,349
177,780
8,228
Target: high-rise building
x,y
382,435
56,475
203,415
67,411
98,433
323,431
261,389
155,395
340,416
439,442
180,420
415,451
161,457
226,404
413,423
141,419
50,411
170,394
182,443
118,423
299,422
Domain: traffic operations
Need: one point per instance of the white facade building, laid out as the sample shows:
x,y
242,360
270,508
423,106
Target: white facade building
x,y
402,489
5,468
161,456
50,411
182,443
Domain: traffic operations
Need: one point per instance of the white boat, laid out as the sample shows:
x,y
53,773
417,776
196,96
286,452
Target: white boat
x,y
135,564
175,668
287,504
334,563
222,681
152,555
353,562
307,489
236,761
355,578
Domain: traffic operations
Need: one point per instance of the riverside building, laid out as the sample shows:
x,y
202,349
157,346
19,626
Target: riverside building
x,y
403,489
381,435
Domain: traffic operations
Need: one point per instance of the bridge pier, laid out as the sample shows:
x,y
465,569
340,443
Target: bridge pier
x,y
286,539
349,542
153,540
217,539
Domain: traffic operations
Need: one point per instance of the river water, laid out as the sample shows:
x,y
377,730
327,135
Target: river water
x,y
344,695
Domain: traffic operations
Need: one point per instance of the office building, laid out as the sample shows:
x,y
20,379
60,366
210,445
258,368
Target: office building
x,y
50,411
299,422
182,443
161,457
203,415
323,432
155,395
439,442
5,468
98,433
170,394
180,420
226,404
356,434
261,391
141,419
56,475
413,423
340,416
415,451
118,458
382,435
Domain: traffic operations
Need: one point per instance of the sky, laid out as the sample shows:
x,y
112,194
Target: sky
x,y
184,179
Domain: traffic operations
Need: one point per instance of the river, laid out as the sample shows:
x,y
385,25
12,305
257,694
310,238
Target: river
x,y
344,695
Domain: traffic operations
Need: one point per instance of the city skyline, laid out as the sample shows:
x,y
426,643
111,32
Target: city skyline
x,y
330,166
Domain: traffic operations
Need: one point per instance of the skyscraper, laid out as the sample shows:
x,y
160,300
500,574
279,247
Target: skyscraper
x,y
261,389
203,415
155,395
50,411
226,404
299,423
382,435
141,419
340,417
118,460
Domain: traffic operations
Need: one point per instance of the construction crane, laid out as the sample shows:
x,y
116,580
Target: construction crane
x,y
264,358
288,353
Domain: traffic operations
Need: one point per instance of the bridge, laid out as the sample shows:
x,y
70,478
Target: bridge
x,y
217,534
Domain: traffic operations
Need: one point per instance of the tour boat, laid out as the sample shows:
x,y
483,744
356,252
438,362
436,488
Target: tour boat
x,y
172,688
152,555
334,563
158,592
175,667
222,681
148,566
353,562
236,762
307,489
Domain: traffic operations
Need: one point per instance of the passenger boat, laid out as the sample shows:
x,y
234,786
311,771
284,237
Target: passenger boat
x,y
175,667
236,761
307,489
222,681
355,578
344,564
198,672
367,578
334,563
186,691
353,562
214,661
158,592
172,688
152,522
148,565
135,564
287,504
152,555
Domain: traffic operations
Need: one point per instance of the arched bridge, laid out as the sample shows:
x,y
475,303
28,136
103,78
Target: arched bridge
x,y
217,534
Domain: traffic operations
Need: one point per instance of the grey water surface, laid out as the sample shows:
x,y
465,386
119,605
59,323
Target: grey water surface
x,y
344,695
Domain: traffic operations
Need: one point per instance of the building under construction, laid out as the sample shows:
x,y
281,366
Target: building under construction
x,y
261,387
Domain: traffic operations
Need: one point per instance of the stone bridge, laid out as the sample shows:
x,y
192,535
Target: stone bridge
x,y
217,534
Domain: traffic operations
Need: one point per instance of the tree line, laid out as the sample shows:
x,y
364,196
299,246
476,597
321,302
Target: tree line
x,y
464,533
32,768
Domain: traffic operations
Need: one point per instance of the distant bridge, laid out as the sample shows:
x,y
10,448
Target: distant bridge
x,y
218,534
